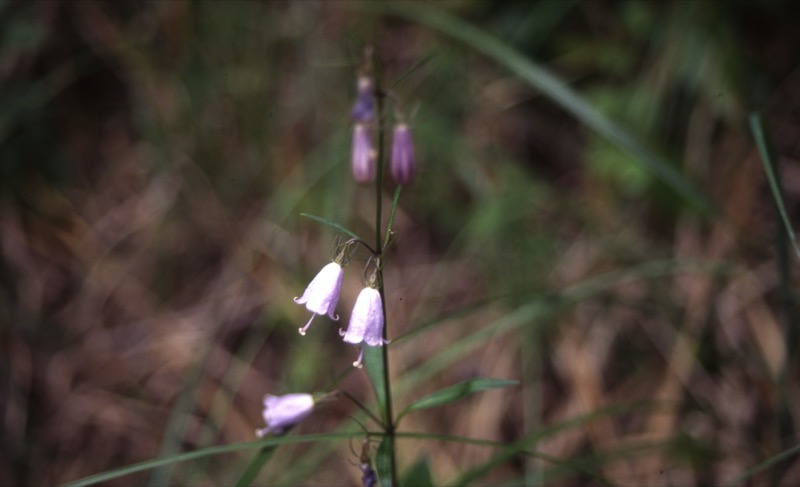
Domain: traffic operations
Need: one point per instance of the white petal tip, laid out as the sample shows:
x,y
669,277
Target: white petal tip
x,y
302,331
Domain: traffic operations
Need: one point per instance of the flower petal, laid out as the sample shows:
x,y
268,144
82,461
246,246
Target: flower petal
x,y
366,319
322,293
281,412
363,156
403,163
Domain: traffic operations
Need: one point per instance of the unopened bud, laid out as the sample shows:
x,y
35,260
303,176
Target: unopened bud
x,y
364,107
402,164
363,155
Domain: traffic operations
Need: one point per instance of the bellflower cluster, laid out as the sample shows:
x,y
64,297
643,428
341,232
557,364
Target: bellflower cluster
x,y
367,320
322,294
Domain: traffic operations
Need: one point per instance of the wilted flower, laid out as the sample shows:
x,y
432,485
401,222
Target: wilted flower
x,y
322,294
282,412
402,163
366,322
364,107
363,155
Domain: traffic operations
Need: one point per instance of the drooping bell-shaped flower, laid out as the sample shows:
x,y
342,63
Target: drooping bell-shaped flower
x,y
402,163
364,106
322,293
363,155
283,412
366,322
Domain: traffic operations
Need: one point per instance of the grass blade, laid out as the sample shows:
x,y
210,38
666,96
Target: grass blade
x,y
456,392
331,223
419,474
255,466
554,88
207,452
763,465
769,162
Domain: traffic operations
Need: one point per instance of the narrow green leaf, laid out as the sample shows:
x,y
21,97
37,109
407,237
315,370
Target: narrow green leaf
x,y
175,430
768,161
422,62
207,452
395,200
510,451
255,466
457,392
419,475
373,362
331,223
383,462
769,462
554,88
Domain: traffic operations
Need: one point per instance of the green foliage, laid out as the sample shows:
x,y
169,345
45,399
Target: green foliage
x,y
768,160
456,392
419,474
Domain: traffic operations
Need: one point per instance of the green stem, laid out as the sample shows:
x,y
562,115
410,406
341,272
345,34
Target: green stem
x,y
388,413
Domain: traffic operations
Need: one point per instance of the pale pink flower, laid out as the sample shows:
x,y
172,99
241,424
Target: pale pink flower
x,y
322,293
283,412
366,322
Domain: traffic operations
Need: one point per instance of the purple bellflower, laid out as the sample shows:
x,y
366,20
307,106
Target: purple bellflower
x,y
363,155
402,162
322,293
283,412
366,322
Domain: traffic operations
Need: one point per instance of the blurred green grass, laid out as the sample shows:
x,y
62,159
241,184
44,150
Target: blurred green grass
x,y
155,158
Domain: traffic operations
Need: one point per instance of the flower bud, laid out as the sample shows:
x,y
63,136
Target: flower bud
x,y
363,155
283,412
364,107
402,163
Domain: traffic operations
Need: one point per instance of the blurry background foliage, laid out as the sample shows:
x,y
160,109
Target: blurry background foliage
x,y
155,158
